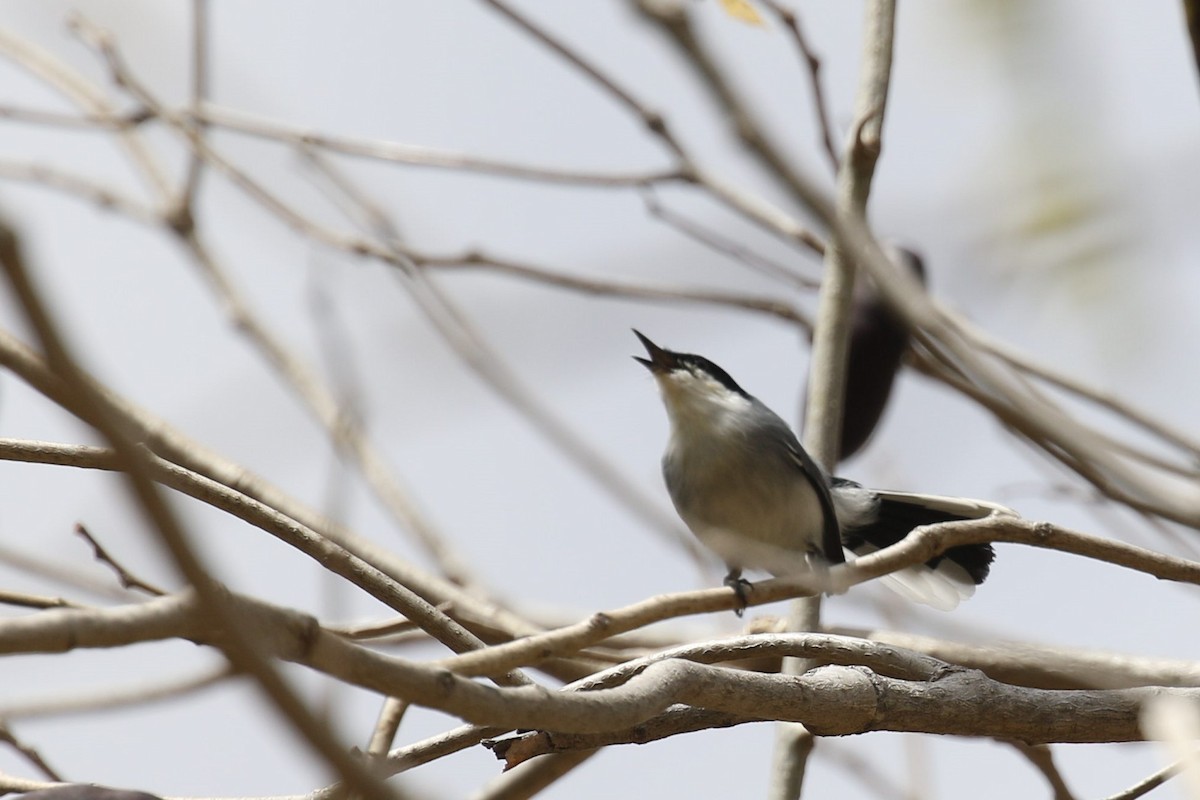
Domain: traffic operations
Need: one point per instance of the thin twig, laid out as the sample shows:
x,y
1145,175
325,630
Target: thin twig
x,y
76,579
675,20
1042,759
121,697
418,156
653,120
675,721
90,99
1170,435
98,194
728,246
127,579
386,726
29,752
26,600
58,119
199,91
1153,780
531,777
788,17
612,288
378,630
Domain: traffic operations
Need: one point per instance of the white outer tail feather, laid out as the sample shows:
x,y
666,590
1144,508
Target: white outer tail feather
x,y
942,588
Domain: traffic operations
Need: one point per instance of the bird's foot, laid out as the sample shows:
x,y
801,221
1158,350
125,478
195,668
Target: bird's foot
x,y
741,587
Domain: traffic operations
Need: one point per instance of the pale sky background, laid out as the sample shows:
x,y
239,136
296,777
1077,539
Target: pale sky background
x,y
1044,157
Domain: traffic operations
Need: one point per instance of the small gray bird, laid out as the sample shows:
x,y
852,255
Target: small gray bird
x,y
879,341
747,489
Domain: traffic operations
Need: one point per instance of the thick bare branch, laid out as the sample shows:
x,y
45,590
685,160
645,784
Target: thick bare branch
x,y
1045,666
830,701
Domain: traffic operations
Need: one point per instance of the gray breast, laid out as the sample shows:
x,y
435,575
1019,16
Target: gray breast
x,y
746,500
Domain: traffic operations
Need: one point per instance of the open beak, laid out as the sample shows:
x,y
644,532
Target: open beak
x,y
660,360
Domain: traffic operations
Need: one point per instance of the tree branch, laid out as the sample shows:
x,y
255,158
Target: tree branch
x,y
830,701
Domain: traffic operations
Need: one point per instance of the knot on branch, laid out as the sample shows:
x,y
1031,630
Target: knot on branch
x,y
138,116
841,700
280,632
446,682
868,141
178,217
1041,532
656,123
599,622
666,12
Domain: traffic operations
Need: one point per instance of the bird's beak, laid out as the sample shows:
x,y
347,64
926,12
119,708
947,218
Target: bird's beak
x,y
660,360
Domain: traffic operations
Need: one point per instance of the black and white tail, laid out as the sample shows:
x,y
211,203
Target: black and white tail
x,y
874,519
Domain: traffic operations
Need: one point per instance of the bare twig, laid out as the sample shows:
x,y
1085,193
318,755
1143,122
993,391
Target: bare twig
x,y
610,287
520,782
100,195
29,752
60,705
386,726
1169,435
379,630
128,579
1152,781
733,249
672,722
199,91
827,376
788,17
653,120
242,650
1042,759
57,119
24,600
414,755
76,579
675,21
91,99
415,155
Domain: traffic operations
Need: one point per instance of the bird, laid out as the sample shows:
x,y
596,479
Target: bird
x,y
879,341
747,489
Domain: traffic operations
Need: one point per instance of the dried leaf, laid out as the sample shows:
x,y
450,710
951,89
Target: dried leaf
x,y
742,10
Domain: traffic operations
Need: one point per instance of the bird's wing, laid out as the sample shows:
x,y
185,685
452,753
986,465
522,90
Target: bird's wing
x,y
831,535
